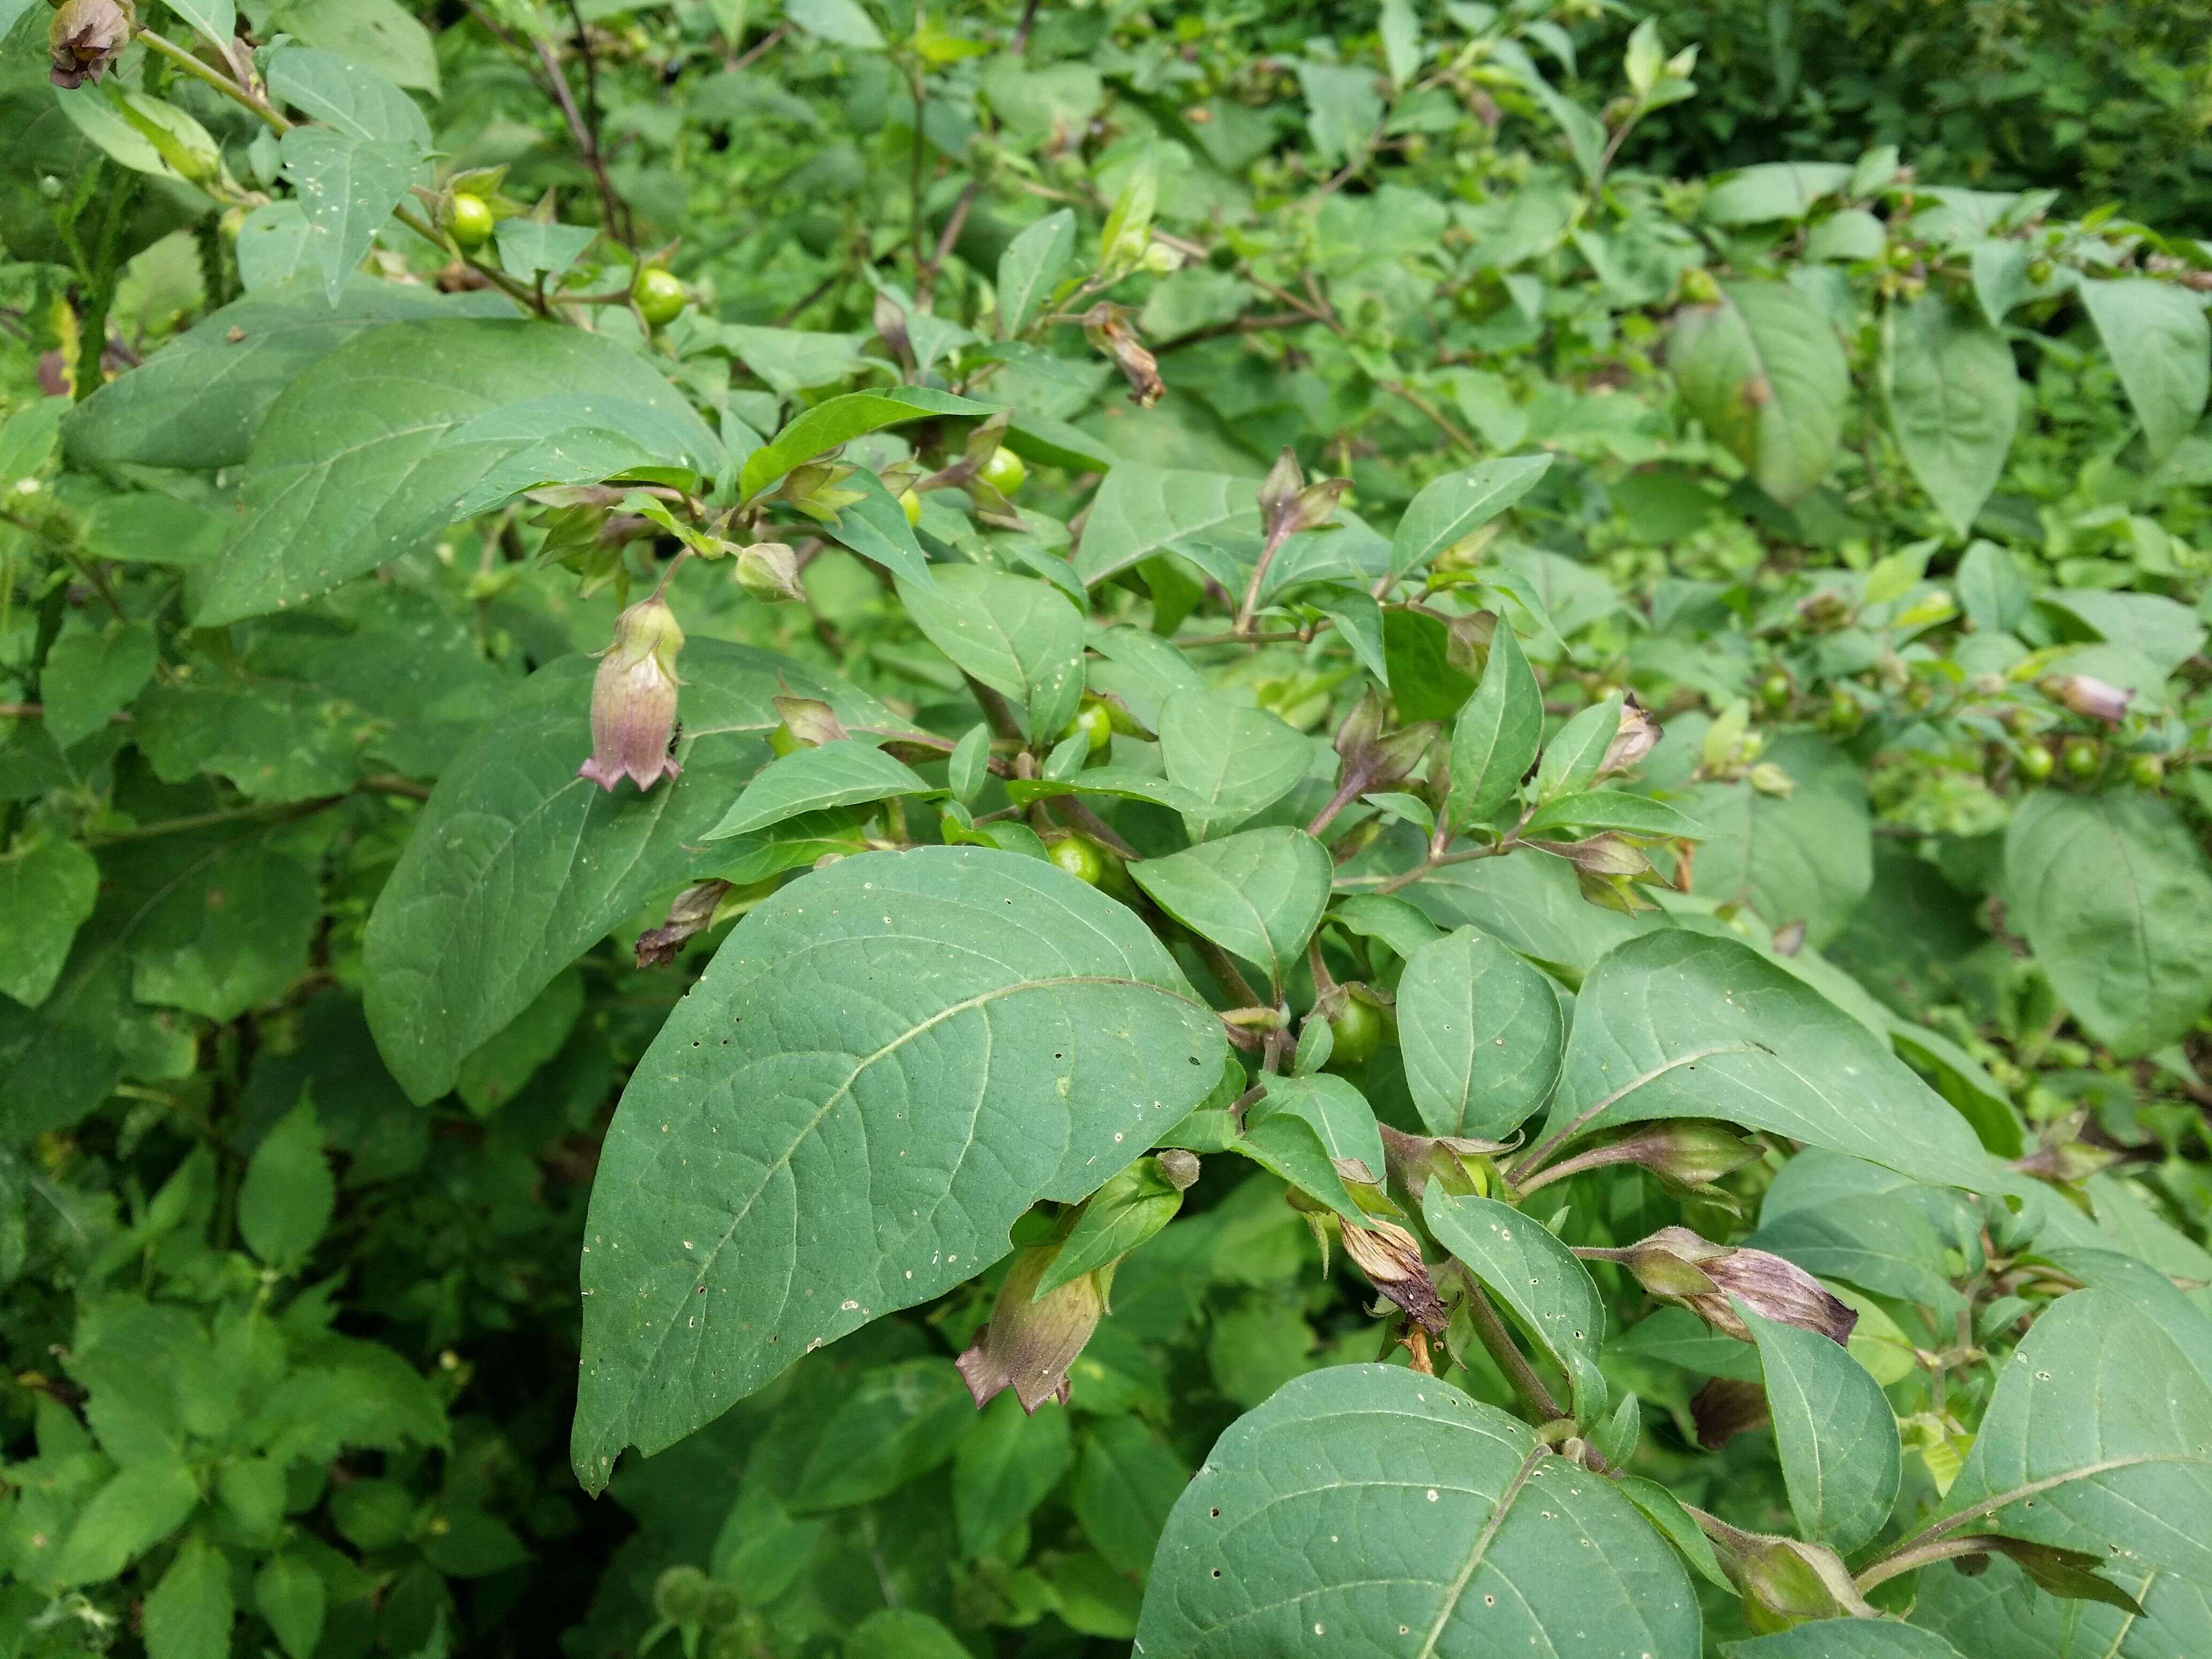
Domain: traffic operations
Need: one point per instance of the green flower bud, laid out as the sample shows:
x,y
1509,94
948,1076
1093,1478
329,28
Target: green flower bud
x,y
770,572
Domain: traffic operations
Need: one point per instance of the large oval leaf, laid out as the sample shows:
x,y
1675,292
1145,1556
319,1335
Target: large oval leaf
x,y
883,1067
1366,1510
386,440
1763,369
1954,398
1481,1032
516,865
1841,1460
2112,892
1807,856
1259,894
2099,1437
1846,1638
1677,1023
1538,1278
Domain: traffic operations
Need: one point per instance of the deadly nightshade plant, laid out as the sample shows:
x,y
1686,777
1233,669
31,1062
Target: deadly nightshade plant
x,y
1530,1023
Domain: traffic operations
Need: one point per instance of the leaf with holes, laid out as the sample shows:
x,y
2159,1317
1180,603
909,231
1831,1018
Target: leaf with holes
x,y
1426,1525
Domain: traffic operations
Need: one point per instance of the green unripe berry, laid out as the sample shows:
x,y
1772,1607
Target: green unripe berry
x,y
2083,757
1844,712
1004,472
469,220
1699,288
1094,721
1081,857
1774,690
2148,771
2039,271
1357,1029
658,296
910,504
2036,763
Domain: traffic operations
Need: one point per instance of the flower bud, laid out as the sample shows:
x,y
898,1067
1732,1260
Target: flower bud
x,y
1102,325
2089,697
1725,1408
811,721
85,39
1638,736
1468,641
1178,1168
691,912
1770,780
1784,1581
1391,1258
634,700
1375,759
1687,1153
770,572
1675,1265
1288,504
1031,1341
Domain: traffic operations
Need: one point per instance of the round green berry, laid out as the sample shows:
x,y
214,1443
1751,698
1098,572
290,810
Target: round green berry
x,y
658,296
1004,472
2036,763
1094,721
1080,856
469,219
2083,757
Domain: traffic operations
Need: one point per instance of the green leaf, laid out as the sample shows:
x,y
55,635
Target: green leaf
x,y
1841,1460
875,528
127,1516
1846,1639
1515,1548
347,187
1117,782
900,1633
1343,108
1999,267
216,19
188,1613
378,35
1676,1024
843,22
1664,1510
839,421
1807,856
1338,1114
1007,1465
1763,369
1993,591
1235,759
1954,400
1128,1481
842,774
2000,1612
358,102
2098,1438
530,249
291,1596
1017,634
198,401
28,439
961,1032
2111,890
386,440
1119,1217
1590,810
1547,1290
516,865
1576,750
1496,737
2156,335
1482,1034
286,1197
1450,508
1259,894
233,934
48,889
901,1423
1772,191
93,670
1031,266
496,1072
1142,510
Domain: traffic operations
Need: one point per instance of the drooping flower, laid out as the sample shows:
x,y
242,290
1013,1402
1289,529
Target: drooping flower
x,y
1677,1265
634,700
85,39
1031,1340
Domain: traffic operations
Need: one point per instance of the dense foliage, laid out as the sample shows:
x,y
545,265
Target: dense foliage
x,y
893,833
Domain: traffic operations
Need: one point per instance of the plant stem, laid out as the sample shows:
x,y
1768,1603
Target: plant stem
x,y
1491,1328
